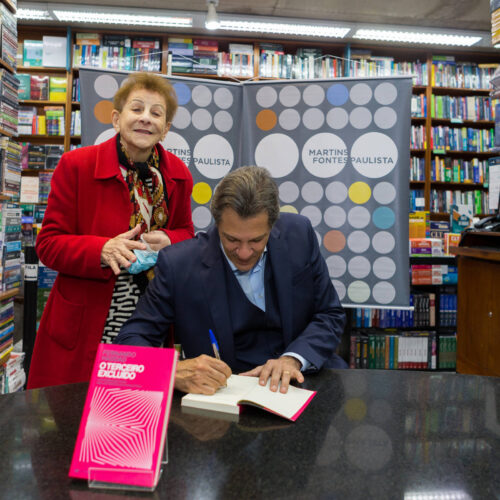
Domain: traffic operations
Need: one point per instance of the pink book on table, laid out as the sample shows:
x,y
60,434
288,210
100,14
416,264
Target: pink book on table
x,y
124,423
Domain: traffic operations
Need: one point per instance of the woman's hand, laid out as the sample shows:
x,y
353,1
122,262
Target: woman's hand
x,y
156,240
118,251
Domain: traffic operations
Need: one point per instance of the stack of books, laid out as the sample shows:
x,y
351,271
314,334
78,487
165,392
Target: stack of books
x,y
433,274
6,336
181,52
8,26
10,237
9,103
426,247
10,167
13,376
205,56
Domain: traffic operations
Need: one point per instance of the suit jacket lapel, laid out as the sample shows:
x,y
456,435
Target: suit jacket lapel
x,y
213,277
278,257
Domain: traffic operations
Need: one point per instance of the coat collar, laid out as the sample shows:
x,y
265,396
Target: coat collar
x,y
215,290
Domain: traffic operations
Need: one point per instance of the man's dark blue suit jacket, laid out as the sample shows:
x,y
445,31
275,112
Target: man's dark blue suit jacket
x,y
189,291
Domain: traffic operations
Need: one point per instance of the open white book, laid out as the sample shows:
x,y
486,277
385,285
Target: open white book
x,y
246,390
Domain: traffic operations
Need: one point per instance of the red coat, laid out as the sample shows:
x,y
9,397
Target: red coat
x,y
89,204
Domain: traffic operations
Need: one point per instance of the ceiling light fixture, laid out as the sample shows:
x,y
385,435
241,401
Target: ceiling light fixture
x,y
285,28
33,14
212,21
417,37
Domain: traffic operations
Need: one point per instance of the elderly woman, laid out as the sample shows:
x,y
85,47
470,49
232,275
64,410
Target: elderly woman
x,y
107,201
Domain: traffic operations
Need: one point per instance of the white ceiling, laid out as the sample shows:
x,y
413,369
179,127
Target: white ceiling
x,y
460,14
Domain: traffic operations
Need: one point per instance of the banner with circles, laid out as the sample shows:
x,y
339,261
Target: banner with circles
x,y
338,150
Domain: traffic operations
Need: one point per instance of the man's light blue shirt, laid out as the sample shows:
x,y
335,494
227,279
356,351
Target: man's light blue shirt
x,y
252,284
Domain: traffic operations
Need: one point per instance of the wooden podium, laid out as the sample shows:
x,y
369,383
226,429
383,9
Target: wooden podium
x,y
478,315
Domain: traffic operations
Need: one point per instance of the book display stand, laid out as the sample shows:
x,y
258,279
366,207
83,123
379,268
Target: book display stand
x,y
95,480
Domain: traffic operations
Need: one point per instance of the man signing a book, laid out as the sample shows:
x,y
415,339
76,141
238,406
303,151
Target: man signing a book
x,y
255,286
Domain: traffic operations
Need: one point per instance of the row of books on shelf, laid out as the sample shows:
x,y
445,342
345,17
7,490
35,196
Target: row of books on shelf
x,y
40,156
10,246
447,72
42,87
12,374
35,188
444,138
447,169
418,137
51,122
464,108
417,168
46,280
31,223
50,51
8,36
400,350
417,200
75,128
418,106
428,309
6,335
433,274
476,201
10,167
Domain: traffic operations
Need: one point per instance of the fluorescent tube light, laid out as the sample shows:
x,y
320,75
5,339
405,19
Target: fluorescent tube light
x,y
119,18
33,14
284,28
417,37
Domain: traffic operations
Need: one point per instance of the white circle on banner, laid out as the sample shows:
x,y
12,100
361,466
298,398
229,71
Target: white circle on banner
x,y
313,95
105,86
312,192
202,119
386,93
288,192
359,267
313,119
201,217
289,119
384,193
358,291
278,153
313,213
223,98
178,146
334,216
104,136
289,209
336,192
360,94
384,268
324,155
266,97
358,217
182,118
360,118
201,95
289,96
339,288
383,242
374,155
337,118
223,121
213,156
358,241
383,292
336,266
385,117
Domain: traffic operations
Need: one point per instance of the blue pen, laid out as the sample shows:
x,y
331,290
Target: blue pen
x,y
215,346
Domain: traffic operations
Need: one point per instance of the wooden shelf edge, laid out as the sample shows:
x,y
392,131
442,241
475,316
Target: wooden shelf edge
x,y
40,69
9,294
6,65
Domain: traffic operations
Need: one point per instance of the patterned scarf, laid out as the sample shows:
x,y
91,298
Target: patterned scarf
x,y
150,205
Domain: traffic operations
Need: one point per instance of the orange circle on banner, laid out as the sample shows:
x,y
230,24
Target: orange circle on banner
x,y
266,119
102,111
334,241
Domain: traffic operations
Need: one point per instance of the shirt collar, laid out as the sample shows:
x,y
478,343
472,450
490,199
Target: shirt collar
x,y
259,265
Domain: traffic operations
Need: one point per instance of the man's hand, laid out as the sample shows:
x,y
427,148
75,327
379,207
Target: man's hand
x,y
282,369
118,251
201,375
